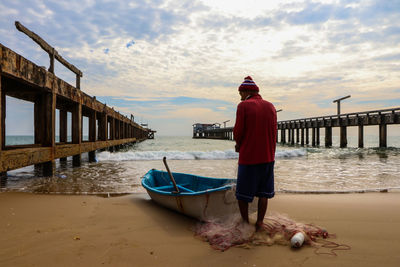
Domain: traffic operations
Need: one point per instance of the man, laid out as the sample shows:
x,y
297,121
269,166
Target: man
x,y
255,135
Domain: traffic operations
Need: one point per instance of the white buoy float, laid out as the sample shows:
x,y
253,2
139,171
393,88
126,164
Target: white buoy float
x,y
297,240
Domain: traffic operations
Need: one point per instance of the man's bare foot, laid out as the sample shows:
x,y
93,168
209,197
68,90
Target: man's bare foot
x,y
259,226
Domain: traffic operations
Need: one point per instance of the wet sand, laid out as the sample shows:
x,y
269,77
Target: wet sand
x,y
62,230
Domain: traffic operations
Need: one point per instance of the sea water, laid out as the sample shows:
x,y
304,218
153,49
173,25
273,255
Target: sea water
x,y
297,169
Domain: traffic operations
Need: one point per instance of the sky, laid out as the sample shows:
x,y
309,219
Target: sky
x,y
174,63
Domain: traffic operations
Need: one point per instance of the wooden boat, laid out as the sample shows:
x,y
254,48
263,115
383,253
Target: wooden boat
x,y
203,198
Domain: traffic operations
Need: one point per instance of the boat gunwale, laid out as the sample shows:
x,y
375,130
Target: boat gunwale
x,y
196,193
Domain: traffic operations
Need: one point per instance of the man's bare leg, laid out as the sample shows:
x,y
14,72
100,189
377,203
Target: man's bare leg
x,y
244,210
262,209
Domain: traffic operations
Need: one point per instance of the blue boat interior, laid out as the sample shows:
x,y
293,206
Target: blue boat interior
x,y
187,184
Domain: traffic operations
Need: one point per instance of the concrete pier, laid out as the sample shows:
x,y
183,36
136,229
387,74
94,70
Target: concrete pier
x,y
22,79
380,118
298,131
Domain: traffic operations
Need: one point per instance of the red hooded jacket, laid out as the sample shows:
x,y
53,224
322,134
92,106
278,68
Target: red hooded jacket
x,y
255,131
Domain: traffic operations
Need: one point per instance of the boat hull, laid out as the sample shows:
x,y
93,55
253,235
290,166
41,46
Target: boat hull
x,y
205,207
203,198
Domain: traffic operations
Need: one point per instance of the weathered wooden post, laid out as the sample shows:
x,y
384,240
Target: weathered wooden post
x,y
307,136
360,136
50,137
360,123
282,135
302,136
2,116
288,135
328,131
328,136
297,135
343,136
44,127
78,80
121,129
122,135
103,126
77,131
116,129
63,128
3,175
317,136
292,136
92,134
382,131
338,102
52,57
113,131
313,137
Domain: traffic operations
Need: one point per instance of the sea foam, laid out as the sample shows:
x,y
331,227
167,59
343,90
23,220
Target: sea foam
x,y
187,155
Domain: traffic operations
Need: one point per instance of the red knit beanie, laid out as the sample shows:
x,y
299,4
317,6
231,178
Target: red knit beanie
x,y
248,85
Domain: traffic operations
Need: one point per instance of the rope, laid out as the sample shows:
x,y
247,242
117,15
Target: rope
x,y
332,246
275,229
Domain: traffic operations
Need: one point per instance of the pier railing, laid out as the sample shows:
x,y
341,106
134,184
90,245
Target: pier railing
x,y
22,79
53,54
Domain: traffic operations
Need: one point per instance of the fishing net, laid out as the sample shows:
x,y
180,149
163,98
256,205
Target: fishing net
x,y
276,229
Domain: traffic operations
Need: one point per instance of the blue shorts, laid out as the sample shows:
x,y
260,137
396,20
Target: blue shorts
x,y
255,180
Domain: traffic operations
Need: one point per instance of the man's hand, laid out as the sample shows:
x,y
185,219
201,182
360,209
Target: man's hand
x,y
237,148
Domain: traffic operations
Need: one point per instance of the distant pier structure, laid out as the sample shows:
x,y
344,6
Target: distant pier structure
x,y
212,131
298,131
22,79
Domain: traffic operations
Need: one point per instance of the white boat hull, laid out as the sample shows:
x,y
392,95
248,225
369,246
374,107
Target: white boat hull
x,y
219,205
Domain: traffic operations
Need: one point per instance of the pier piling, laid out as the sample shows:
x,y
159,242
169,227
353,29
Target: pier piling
x,y
361,136
343,136
382,135
313,137
328,136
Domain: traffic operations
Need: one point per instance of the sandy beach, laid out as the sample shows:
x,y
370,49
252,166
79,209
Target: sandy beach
x,y
131,230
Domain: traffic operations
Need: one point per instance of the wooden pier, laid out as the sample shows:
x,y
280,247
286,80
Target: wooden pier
x,y
298,131
212,131
22,79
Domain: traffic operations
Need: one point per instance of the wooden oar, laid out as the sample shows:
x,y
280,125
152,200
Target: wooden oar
x,y
170,175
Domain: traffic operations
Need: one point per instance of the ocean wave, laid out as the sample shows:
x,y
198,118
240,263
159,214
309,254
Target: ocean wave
x,y
186,155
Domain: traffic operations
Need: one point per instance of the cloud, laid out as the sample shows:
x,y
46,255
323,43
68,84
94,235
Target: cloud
x,y
388,57
312,13
165,59
130,43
